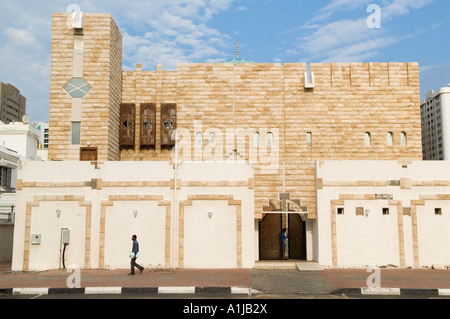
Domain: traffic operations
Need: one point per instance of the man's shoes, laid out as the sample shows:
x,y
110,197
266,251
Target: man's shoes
x,y
140,271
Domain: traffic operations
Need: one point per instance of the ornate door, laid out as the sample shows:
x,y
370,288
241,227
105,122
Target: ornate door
x,y
127,121
148,125
296,236
270,237
168,123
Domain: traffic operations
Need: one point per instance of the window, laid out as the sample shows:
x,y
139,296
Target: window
x,y
385,211
77,88
367,139
199,138
5,176
256,139
340,211
403,140
76,133
212,139
309,138
390,138
269,139
438,211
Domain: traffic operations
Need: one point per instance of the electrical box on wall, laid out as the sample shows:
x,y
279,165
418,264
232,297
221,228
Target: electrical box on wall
x,y
36,239
65,235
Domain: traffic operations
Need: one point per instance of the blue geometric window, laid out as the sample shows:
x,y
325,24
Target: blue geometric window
x,y
77,88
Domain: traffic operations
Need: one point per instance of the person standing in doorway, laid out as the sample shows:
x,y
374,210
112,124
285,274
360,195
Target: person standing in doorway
x,y
283,240
134,255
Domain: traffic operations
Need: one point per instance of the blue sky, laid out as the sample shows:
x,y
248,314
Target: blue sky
x,y
176,31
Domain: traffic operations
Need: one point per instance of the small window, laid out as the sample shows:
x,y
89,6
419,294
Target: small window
x,y
199,138
212,139
309,138
367,139
269,139
340,211
385,211
76,133
256,139
438,211
390,138
403,140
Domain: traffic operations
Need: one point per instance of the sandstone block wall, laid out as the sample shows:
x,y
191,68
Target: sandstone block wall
x,y
348,100
102,69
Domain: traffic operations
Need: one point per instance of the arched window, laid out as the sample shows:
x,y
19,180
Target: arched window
x,y
199,138
308,138
269,139
403,139
212,139
367,139
256,139
390,138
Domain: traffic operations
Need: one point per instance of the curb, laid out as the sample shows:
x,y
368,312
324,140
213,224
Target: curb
x,y
394,292
129,290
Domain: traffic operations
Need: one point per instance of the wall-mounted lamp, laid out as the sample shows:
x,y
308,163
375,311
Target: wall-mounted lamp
x,y
135,212
366,212
58,212
210,213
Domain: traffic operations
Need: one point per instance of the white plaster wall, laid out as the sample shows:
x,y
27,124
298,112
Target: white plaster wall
x,y
434,234
149,226
45,222
364,241
367,240
210,242
120,225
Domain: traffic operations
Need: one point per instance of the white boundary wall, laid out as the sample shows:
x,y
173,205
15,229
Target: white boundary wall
x,y
416,238
119,189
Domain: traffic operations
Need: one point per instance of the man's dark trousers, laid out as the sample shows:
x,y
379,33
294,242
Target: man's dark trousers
x,y
134,264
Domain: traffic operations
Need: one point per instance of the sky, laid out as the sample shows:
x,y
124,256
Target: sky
x,y
168,32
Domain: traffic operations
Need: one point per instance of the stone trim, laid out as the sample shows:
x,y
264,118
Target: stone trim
x,y
403,183
231,202
99,184
54,198
110,202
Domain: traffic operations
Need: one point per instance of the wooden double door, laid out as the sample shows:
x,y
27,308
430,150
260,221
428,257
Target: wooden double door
x,y
270,244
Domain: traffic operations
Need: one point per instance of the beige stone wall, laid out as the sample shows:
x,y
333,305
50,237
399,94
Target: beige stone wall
x,y
102,69
348,100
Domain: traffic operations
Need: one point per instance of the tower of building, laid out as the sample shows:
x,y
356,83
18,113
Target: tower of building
x,y
85,87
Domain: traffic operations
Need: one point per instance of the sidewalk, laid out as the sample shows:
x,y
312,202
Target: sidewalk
x,y
246,281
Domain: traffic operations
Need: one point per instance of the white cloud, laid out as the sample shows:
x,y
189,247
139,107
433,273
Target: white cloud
x,y
347,40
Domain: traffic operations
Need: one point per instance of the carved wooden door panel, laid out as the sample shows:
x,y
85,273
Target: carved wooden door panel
x,y
270,237
296,236
168,123
127,125
148,125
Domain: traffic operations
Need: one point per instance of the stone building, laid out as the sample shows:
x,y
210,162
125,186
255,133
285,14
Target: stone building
x,y
281,119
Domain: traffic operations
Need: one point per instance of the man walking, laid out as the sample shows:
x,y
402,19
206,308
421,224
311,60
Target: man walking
x,y
134,255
